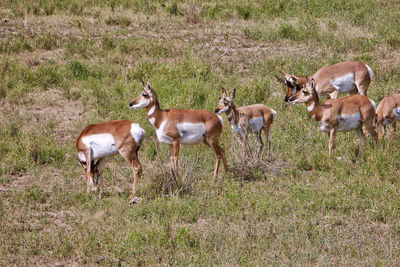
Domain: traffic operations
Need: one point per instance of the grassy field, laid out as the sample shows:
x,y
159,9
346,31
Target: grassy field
x,y
66,64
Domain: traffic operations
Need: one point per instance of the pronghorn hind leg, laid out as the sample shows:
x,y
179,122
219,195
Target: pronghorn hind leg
x,y
137,170
100,168
362,86
132,159
88,171
332,135
260,144
361,135
267,133
383,132
219,153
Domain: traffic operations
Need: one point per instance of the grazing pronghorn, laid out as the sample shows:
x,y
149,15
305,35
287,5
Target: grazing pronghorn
x,y
98,141
180,126
247,119
388,111
338,115
348,76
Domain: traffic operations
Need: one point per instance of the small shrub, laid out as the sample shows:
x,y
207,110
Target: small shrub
x,y
119,20
79,71
174,10
243,12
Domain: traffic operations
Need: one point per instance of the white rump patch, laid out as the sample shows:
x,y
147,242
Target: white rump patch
x,y
349,122
396,112
220,119
162,137
81,156
137,133
344,83
102,145
371,73
192,133
256,124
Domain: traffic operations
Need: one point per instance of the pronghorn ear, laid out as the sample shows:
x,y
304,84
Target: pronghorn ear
x,y
233,94
280,79
223,92
312,84
148,86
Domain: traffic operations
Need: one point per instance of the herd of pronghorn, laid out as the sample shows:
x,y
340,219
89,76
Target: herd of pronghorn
x,y
178,126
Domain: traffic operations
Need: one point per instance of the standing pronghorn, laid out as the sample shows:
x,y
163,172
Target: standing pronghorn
x,y
388,111
247,119
98,141
180,126
348,76
338,115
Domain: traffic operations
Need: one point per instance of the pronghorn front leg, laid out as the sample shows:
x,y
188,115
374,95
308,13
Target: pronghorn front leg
x,y
174,153
332,135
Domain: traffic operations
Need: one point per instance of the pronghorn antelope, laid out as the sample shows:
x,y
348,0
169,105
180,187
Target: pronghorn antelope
x,y
247,119
338,115
179,126
388,111
98,141
348,76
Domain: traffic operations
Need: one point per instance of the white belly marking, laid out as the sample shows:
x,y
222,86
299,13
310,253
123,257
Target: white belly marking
x,y
191,133
102,145
349,122
344,83
256,124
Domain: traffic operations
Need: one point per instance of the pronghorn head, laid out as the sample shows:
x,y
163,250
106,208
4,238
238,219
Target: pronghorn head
x,y
146,97
306,93
291,83
225,102
94,171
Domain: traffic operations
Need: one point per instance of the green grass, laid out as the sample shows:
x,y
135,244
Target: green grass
x,y
77,63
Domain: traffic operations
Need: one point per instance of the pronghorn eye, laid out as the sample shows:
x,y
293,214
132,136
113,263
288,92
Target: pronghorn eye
x,y
145,95
305,92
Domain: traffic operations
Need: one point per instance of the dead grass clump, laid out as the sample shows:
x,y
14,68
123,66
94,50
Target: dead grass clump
x,y
192,15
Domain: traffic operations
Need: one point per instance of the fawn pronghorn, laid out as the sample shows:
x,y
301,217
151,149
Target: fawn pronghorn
x,y
338,115
180,126
388,111
247,119
98,141
348,76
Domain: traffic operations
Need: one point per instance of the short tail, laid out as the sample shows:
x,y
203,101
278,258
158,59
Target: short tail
x,y
273,113
371,73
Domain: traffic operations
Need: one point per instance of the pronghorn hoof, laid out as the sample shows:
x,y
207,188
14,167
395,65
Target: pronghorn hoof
x,y
135,200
